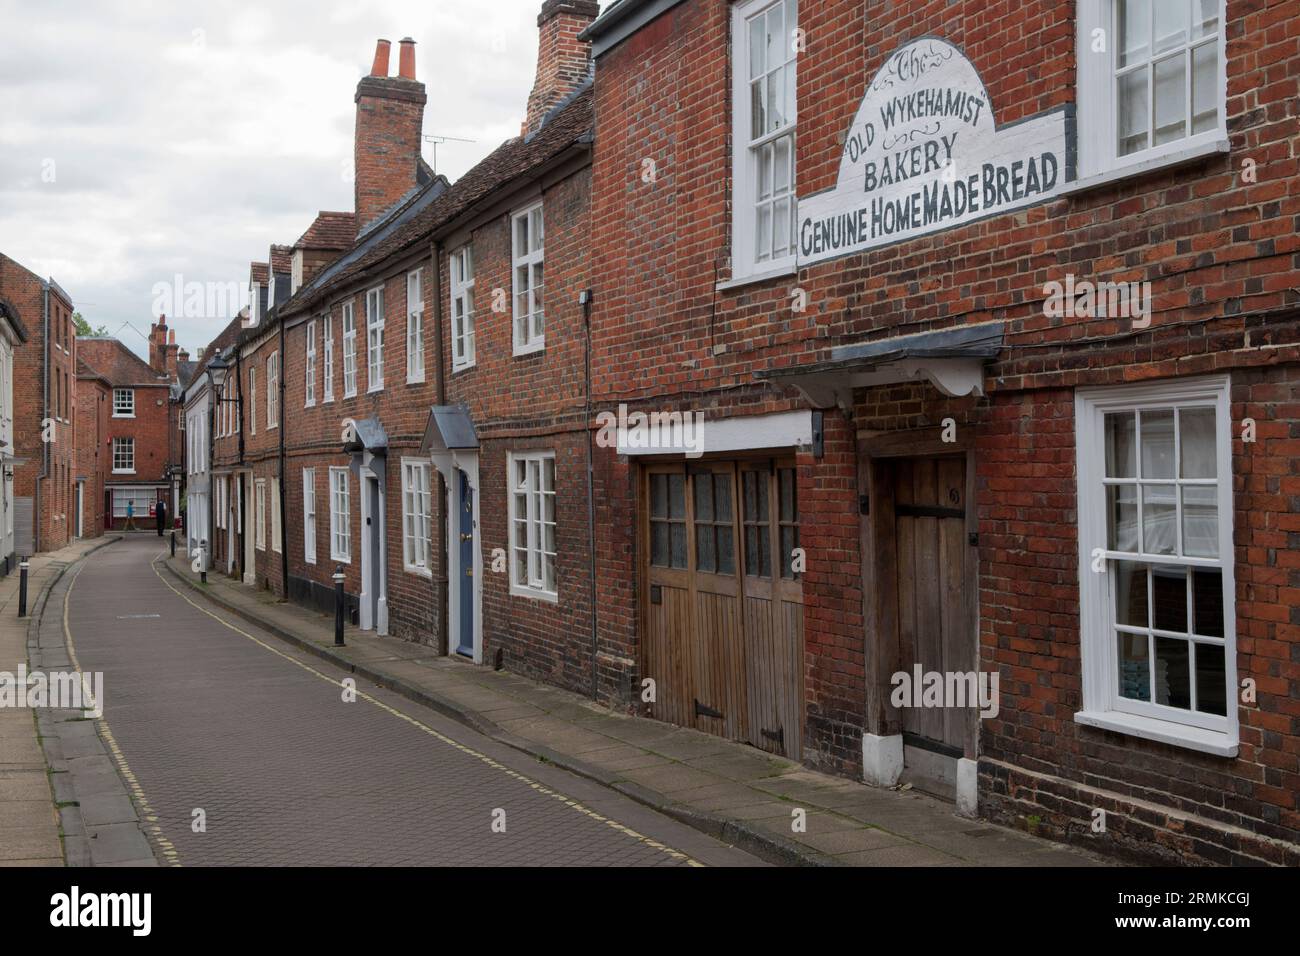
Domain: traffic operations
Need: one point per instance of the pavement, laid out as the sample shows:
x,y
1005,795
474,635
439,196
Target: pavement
x,y
30,833
734,793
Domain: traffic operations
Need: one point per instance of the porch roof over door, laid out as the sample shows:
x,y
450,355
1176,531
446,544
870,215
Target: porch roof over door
x,y
952,360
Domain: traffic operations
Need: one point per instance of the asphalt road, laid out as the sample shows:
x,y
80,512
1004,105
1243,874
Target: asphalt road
x,y
258,736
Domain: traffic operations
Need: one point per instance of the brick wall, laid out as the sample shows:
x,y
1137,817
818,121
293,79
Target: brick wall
x,y
1221,251
93,450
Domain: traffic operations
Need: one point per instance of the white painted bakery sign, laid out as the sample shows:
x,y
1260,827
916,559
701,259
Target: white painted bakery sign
x,y
924,153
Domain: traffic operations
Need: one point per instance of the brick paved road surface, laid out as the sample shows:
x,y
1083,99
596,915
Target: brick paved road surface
x,y
260,738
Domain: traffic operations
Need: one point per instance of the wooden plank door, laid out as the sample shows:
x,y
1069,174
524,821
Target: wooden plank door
x,y
717,645
669,612
773,606
933,630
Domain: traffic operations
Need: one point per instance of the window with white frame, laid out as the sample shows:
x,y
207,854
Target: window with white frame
x,y
375,339
417,515
765,48
528,255
327,334
252,401
123,456
532,524
415,326
309,387
273,390
259,513
1155,536
309,515
462,307
124,403
349,350
276,543
1152,82
340,528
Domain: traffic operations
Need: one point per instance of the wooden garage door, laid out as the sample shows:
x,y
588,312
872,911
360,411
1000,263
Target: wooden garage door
x,y
723,606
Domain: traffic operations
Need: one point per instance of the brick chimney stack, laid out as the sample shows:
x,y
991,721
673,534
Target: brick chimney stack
x,y
389,127
563,61
170,368
158,345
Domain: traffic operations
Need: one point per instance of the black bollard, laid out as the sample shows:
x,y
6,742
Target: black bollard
x,y
338,606
22,588
173,544
203,561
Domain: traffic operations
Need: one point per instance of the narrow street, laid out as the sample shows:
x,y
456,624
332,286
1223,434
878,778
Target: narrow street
x,y
211,714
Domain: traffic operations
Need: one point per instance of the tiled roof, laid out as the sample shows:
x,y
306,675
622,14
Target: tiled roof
x,y
117,363
85,371
281,259
259,271
569,123
223,341
185,373
331,230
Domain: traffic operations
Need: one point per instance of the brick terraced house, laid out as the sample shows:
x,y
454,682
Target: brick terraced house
x,y
40,472
94,449
991,313
139,448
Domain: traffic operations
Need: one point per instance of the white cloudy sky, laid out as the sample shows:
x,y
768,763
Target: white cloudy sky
x,y
186,137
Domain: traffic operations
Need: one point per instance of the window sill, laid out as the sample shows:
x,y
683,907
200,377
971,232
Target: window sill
x,y
548,597
123,471
1162,731
457,369
530,349
415,380
374,388
1181,157
754,278
340,558
419,572
115,415
311,404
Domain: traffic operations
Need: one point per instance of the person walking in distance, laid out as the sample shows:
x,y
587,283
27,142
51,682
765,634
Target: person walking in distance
x,y
130,516
162,516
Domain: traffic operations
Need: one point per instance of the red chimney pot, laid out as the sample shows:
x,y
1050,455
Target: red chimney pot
x,y
406,59
380,66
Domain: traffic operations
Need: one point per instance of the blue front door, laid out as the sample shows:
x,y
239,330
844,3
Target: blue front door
x,y
466,583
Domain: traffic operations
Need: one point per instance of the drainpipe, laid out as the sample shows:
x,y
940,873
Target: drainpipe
x,y
212,450
243,494
591,503
440,398
45,414
279,426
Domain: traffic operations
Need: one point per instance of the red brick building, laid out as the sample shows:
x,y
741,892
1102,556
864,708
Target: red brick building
x,y
44,414
94,448
898,255
141,451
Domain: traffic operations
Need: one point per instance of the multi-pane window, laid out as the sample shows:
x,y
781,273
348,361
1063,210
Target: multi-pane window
x,y
259,513
415,326
1155,533
327,333
349,351
375,339
462,308
668,521
340,528
123,455
309,515
528,244
714,534
417,516
532,524
123,403
764,72
273,390
309,390
1156,88
1166,71
252,401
